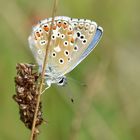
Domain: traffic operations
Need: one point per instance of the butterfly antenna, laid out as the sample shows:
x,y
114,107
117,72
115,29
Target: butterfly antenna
x,y
45,89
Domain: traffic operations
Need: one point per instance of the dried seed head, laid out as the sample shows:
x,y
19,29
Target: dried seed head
x,y
26,95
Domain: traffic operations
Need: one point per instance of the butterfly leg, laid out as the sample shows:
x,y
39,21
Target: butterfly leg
x,y
45,89
48,86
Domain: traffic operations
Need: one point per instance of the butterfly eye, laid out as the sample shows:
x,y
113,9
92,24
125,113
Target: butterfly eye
x,y
61,61
54,54
62,81
66,52
65,43
75,48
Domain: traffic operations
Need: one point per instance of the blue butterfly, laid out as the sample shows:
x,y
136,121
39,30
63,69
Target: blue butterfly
x,y
72,40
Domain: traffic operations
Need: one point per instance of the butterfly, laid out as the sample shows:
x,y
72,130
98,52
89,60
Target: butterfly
x,y
72,40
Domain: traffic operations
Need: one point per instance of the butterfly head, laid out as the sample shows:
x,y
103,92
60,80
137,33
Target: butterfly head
x,y
60,81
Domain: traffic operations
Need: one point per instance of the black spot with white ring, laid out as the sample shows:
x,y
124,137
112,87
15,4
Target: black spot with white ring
x,y
43,42
75,24
58,34
65,43
70,28
78,34
66,52
62,36
53,37
61,61
45,25
59,22
84,41
54,54
69,59
82,37
39,51
65,22
75,48
40,30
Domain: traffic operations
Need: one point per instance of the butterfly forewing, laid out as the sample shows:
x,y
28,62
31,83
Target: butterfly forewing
x,y
70,39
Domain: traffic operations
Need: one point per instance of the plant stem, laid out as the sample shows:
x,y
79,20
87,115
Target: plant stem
x,y
33,134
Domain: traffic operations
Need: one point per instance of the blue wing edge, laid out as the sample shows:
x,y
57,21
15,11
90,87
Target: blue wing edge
x,y
93,44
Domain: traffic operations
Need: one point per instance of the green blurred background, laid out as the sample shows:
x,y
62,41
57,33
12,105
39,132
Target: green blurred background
x,y
109,107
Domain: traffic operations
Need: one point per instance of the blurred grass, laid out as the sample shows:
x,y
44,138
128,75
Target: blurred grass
x,y
109,107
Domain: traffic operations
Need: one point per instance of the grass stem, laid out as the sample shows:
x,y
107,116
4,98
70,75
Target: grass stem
x,y
40,86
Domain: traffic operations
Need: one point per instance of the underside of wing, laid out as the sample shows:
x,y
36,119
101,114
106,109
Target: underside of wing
x,y
71,41
93,43
84,50
91,46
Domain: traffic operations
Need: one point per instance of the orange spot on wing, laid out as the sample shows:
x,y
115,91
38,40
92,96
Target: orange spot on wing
x,y
70,32
72,40
54,27
59,25
35,37
38,34
46,28
64,26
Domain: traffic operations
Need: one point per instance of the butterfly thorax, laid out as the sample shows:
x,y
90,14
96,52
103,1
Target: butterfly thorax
x,y
52,78
60,81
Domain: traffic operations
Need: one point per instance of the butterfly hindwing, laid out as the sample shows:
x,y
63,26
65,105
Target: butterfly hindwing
x,y
91,46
